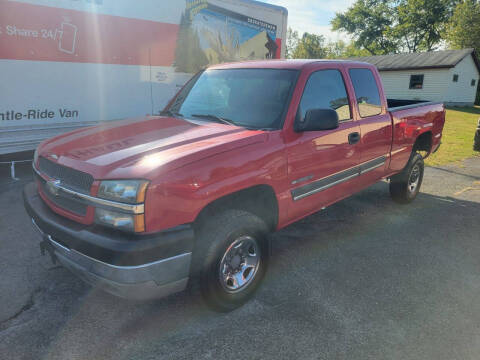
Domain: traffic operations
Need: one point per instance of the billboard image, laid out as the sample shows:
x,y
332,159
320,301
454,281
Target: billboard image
x,y
210,34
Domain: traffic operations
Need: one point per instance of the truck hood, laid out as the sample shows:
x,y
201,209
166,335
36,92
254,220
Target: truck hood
x,y
134,148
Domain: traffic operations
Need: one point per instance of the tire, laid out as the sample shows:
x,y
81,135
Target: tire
x,y
405,186
230,259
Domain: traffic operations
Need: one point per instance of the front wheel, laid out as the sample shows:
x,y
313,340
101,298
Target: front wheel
x,y
230,259
405,186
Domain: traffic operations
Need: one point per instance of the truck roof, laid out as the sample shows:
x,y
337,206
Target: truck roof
x,y
281,63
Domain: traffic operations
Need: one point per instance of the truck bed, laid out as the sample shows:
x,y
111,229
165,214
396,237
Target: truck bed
x,y
399,104
411,119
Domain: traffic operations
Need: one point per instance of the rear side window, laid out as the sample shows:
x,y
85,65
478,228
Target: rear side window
x,y
325,89
366,91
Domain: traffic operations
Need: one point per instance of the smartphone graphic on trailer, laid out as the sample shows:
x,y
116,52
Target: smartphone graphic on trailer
x,y
68,38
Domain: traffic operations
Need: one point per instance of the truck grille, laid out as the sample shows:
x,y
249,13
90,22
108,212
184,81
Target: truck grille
x,y
70,178
63,200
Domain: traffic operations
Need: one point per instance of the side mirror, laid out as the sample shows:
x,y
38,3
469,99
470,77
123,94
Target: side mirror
x,y
318,119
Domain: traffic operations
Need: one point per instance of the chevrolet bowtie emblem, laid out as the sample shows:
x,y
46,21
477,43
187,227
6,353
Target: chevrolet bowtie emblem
x,y
53,187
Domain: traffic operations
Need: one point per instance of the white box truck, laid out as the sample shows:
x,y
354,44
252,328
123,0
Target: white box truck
x,y
66,64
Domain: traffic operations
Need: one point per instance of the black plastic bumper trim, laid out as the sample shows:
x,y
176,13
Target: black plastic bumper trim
x,y
109,246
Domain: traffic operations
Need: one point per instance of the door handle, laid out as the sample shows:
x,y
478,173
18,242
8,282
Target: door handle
x,y
353,138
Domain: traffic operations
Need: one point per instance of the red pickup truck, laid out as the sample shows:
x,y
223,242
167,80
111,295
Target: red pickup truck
x,y
150,206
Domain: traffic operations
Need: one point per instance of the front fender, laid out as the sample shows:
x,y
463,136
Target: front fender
x,y
179,196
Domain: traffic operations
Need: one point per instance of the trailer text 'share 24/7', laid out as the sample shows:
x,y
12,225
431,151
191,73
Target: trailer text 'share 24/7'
x,y
67,64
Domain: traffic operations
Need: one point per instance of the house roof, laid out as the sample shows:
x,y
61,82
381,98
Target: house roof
x,y
421,60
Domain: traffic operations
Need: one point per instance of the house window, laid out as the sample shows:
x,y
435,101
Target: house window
x,y
473,82
455,77
416,81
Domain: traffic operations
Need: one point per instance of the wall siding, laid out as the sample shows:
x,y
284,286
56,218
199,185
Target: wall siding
x,y
435,84
438,84
462,91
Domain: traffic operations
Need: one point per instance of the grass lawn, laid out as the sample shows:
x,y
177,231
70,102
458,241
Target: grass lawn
x,y
457,139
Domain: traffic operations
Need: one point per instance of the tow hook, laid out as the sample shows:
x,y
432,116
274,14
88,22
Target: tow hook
x,y
46,246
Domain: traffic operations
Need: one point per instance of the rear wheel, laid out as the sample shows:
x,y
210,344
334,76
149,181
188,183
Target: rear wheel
x,y
405,186
230,259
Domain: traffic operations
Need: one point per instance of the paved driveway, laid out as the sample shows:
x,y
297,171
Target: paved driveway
x,y
364,279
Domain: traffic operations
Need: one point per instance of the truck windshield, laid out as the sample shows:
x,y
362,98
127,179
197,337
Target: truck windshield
x,y
252,98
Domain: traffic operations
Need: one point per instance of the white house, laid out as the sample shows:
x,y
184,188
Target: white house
x,y
450,76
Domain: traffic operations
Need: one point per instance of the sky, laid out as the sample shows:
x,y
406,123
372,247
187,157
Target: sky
x,y
314,16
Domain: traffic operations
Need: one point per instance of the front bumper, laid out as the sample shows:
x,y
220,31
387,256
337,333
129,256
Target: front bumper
x,y
127,265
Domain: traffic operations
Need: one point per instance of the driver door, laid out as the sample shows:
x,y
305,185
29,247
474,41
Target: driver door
x,y
323,165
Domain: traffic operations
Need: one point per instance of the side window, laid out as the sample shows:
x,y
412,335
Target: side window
x,y
366,91
325,89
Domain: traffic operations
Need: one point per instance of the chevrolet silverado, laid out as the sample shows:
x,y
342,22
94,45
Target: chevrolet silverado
x,y
150,206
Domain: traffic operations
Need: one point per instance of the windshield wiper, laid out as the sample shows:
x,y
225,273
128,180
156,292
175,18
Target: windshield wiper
x,y
216,118
170,113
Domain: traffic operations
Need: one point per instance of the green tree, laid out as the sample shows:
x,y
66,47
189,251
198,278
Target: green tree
x,y
291,42
310,46
370,23
420,23
313,46
463,29
392,26
342,50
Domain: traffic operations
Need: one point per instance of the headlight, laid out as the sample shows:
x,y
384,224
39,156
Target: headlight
x,y
126,191
120,221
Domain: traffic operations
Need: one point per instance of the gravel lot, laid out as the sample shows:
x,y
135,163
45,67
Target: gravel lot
x,y
364,279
